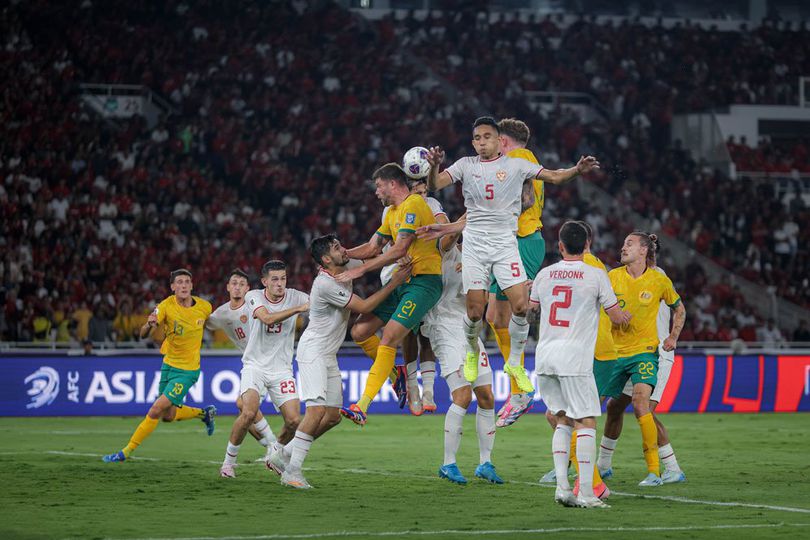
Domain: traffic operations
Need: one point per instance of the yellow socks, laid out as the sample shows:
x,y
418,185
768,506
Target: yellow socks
x,y
188,413
504,341
144,429
649,438
379,371
370,347
597,478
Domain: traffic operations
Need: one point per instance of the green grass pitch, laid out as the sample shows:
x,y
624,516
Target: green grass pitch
x,y
748,478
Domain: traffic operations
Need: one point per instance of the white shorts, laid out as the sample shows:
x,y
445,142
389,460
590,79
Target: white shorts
x,y
280,388
483,256
575,395
664,369
321,384
450,354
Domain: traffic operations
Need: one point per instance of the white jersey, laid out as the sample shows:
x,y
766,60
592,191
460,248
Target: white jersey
x,y
662,325
270,346
234,322
570,294
446,315
492,191
328,316
388,271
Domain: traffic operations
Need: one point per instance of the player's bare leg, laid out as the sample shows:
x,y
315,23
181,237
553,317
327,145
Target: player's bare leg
x,y
260,430
427,366
247,417
476,303
291,414
410,355
393,334
671,473
518,296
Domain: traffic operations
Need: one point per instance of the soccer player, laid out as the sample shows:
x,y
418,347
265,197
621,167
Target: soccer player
x,y
267,361
640,289
492,184
604,357
443,327
569,295
672,473
331,302
403,311
233,318
182,317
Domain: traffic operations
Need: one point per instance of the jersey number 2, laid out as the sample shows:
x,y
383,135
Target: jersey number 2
x,y
567,292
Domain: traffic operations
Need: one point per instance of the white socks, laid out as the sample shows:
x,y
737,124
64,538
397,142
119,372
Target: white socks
x,y
472,330
300,448
667,456
606,448
586,454
453,421
485,426
428,377
263,428
518,334
413,372
231,453
560,445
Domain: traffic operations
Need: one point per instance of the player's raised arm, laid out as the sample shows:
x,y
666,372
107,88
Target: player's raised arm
x,y
396,252
151,324
437,180
561,176
266,317
438,230
370,249
367,305
678,320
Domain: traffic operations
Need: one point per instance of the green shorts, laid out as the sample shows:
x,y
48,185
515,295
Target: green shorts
x,y
639,368
411,301
602,373
175,383
532,250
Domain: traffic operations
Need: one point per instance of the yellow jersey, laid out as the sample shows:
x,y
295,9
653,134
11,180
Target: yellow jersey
x,y
605,348
408,216
641,297
529,221
184,328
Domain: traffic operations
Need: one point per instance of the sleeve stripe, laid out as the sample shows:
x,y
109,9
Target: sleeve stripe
x,y
541,170
383,235
453,178
675,304
533,301
350,299
613,306
406,230
257,309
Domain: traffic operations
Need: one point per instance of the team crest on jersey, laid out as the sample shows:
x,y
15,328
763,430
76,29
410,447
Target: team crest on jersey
x,y
645,297
410,219
500,175
243,319
200,322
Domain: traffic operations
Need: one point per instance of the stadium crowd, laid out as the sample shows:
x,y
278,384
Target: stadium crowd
x,y
284,111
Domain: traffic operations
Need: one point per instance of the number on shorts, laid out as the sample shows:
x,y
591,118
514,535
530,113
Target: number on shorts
x,y
177,390
408,308
515,269
288,387
490,191
274,328
239,332
484,359
567,292
646,368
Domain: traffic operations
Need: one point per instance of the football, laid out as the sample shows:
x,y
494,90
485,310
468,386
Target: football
x,y
415,162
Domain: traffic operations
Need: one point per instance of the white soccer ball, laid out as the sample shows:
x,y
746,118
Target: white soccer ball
x,y
415,163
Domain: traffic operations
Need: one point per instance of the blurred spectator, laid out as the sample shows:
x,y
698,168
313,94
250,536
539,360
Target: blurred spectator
x,y
802,333
769,335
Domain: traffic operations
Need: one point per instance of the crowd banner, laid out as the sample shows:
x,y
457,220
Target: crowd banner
x,y
62,385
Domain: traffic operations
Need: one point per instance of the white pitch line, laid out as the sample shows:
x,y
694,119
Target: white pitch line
x,y
669,498
384,534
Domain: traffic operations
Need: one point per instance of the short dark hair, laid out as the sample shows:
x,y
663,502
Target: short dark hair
x,y
573,237
273,264
486,121
391,171
321,246
588,229
516,129
177,273
238,272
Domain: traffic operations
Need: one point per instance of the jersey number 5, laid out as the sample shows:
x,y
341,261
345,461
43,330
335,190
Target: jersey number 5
x,y
490,191
566,292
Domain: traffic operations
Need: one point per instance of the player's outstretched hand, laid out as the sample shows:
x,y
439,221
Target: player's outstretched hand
x,y
431,232
348,275
303,308
402,274
435,156
626,316
151,320
669,344
586,164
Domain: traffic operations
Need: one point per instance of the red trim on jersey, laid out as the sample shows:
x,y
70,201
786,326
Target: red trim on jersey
x,y
493,159
235,308
533,301
280,301
538,172
611,307
350,299
257,309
